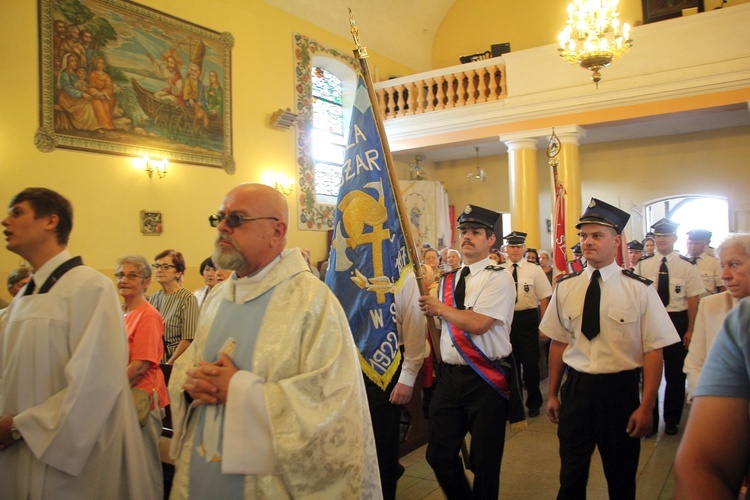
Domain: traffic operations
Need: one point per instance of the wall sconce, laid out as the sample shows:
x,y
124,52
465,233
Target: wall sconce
x,y
285,186
155,167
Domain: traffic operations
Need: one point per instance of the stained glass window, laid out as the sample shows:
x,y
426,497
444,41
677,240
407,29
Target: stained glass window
x,y
328,132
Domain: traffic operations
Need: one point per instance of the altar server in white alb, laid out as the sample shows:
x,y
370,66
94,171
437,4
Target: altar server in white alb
x,y
268,401
68,427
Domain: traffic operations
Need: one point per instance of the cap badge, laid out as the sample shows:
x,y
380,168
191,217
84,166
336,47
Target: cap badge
x,y
467,210
592,204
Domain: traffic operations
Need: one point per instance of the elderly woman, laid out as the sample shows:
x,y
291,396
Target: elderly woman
x,y
17,279
454,258
734,258
209,273
177,306
544,263
144,327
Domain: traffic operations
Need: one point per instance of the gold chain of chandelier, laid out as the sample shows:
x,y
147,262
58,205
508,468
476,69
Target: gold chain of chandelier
x,y
593,37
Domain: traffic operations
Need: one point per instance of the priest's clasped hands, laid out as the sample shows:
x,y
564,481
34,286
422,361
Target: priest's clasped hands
x,y
208,383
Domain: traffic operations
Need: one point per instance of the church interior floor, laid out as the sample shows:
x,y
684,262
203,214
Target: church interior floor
x,y
531,465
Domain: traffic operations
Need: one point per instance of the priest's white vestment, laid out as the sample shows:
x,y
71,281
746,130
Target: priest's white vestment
x,y
298,424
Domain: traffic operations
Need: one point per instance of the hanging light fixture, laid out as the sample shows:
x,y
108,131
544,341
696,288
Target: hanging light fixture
x,y
415,169
479,175
599,38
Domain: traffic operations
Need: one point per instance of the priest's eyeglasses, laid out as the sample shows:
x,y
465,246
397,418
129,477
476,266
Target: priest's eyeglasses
x,y
233,220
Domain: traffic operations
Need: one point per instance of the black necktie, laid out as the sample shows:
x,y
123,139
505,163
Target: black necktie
x,y
30,287
590,321
460,292
663,283
515,279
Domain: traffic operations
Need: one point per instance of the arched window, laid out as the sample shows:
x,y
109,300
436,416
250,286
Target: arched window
x,y
691,212
327,134
325,84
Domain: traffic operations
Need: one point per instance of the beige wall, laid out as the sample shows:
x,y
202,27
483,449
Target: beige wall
x,y
108,192
624,173
524,27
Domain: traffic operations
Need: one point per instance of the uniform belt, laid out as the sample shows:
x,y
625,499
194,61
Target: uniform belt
x,y
503,362
623,374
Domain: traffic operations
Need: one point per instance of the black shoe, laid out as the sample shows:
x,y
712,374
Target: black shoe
x,y
533,412
400,471
670,429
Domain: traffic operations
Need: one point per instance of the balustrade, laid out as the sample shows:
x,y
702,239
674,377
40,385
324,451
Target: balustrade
x,y
470,84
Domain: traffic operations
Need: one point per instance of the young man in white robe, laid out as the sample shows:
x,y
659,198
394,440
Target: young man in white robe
x,y
68,427
268,401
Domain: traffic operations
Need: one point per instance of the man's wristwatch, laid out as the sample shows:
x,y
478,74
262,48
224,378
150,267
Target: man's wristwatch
x,y
14,434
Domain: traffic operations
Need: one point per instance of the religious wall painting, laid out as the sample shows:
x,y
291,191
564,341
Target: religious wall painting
x,y
152,223
121,78
660,10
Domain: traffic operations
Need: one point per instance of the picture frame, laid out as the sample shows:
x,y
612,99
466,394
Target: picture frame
x,y
152,223
120,78
660,10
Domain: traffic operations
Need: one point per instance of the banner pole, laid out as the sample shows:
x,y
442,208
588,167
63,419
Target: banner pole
x,y
360,53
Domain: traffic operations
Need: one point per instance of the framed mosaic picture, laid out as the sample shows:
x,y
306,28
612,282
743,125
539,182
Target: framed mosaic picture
x,y
120,78
151,223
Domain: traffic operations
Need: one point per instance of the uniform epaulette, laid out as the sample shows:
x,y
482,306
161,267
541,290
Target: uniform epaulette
x,y
637,277
495,267
569,275
687,259
646,257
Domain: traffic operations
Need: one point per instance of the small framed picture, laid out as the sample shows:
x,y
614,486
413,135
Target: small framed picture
x,y
151,223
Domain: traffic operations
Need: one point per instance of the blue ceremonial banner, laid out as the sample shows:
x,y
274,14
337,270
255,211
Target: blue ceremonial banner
x,y
368,250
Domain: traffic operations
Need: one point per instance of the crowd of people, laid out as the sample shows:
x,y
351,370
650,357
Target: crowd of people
x,y
267,393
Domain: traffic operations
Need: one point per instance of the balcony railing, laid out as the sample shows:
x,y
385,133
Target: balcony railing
x,y
472,83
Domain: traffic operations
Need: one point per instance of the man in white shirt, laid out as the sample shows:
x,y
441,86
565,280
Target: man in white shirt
x,y
476,375
533,291
708,265
68,427
678,285
605,323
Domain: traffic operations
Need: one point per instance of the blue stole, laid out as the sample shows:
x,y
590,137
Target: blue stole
x,y
234,330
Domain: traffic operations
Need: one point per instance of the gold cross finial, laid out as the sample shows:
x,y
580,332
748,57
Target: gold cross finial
x,y
362,51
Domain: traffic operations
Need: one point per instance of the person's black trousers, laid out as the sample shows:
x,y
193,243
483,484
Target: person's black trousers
x,y
463,402
594,412
524,337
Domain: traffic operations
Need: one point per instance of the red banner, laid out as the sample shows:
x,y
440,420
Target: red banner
x,y
560,251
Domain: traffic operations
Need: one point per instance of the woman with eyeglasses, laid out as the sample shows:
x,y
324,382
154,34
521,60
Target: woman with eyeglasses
x,y
178,307
145,347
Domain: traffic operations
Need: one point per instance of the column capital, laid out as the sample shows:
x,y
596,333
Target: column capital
x,y
568,134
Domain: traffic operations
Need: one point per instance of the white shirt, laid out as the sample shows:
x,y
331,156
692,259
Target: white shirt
x,y
710,272
533,284
684,279
632,320
488,292
711,313
411,325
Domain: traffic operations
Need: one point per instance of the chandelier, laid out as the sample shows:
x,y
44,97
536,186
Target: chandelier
x,y
599,38
479,175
